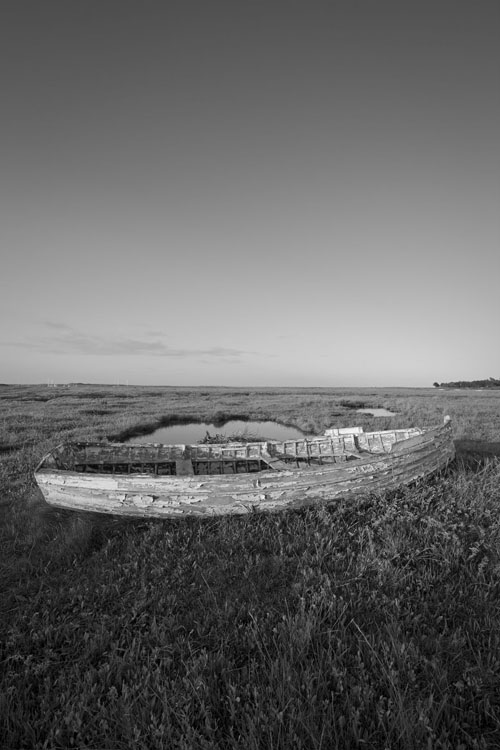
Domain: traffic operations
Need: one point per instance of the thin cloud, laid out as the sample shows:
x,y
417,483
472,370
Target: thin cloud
x,y
65,339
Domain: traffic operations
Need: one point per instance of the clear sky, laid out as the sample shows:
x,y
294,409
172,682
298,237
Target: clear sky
x,y
250,192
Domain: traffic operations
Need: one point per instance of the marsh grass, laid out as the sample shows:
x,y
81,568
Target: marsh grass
x,y
371,623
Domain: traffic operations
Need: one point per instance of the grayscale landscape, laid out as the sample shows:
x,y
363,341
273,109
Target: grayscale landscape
x,y
245,222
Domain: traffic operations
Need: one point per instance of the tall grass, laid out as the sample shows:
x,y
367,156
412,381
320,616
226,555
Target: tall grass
x,y
372,623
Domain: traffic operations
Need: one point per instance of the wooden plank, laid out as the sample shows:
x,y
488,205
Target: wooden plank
x,y
337,431
410,443
275,463
184,467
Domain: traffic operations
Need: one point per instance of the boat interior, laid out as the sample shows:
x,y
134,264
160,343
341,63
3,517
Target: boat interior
x,y
336,446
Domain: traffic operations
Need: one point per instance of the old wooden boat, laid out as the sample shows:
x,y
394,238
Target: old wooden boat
x,y
165,481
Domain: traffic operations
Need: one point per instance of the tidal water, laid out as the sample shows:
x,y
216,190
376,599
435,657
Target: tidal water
x,y
378,412
186,434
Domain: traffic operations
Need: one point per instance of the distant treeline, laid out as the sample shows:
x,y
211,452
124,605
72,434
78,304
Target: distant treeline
x,y
489,383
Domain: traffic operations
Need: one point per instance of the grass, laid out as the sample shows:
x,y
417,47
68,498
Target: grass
x,y
366,624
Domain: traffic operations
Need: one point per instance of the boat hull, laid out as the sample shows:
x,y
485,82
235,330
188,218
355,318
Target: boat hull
x,y
146,495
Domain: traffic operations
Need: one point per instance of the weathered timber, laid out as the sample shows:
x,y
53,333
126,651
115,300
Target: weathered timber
x,y
170,481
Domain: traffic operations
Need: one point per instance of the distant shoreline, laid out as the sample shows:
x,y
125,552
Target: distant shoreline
x,y
490,384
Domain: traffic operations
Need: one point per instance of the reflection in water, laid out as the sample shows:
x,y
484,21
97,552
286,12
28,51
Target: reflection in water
x,y
186,434
378,412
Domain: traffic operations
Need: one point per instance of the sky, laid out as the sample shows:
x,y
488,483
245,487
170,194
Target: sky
x,y
248,192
